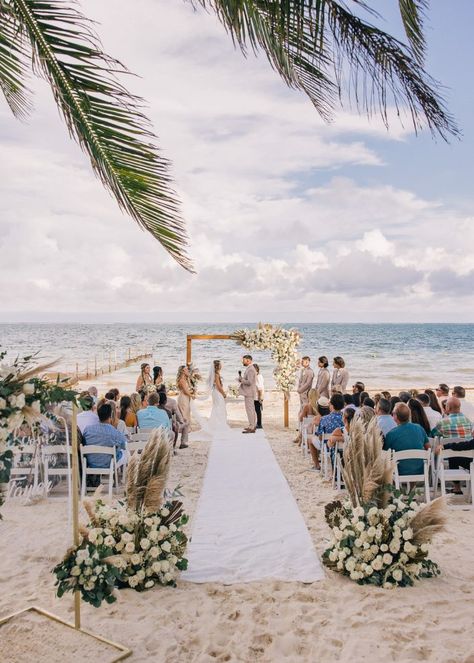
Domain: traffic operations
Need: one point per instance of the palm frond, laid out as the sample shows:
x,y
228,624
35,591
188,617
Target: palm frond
x,y
103,117
14,67
322,48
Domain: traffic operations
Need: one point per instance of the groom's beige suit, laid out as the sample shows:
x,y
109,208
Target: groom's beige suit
x,y
248,388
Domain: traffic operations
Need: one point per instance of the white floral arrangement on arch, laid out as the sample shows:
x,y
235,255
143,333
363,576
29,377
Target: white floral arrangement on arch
x,y
379,535
283,345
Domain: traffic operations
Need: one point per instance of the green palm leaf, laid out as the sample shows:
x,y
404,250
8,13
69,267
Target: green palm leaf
x,y
322,48
13,65
103,116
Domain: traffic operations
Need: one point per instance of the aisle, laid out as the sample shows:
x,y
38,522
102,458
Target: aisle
x,y
248,526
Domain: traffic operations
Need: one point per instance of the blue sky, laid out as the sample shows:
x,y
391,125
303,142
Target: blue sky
x,y
288,217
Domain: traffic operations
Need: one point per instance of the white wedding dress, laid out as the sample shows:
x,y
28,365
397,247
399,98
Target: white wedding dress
x,y
217,422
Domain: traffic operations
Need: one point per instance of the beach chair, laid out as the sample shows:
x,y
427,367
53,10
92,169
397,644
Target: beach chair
x,y
413,454
444,474
110,471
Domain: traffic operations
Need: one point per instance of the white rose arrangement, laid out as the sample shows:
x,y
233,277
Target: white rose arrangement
x,y
282,343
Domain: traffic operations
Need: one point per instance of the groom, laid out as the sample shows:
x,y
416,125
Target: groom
x,y
248,388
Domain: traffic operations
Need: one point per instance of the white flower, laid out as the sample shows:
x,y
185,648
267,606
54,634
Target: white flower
x,y
344,524
166,546
82,554
168,577
156,566
394,546
29,388
141,574
133,581
135,559
360,526
387,558
109,540
373,511
126,536
153,535
119,546
388,585
377,563
403,558
75,571
371,532
165,512
144,544
368,570
12,400
424,547
408,534
358,511
350,564
154,552
130,547
36,407
165,565
148,522
3,404
149,584
397,575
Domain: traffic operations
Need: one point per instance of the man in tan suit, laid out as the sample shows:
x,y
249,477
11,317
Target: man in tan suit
x,y
305,381
248,388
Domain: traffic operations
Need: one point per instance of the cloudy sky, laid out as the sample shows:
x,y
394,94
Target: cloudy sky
x,y
289,218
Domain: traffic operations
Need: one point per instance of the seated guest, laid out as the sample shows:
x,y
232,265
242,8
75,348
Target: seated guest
x,y
442,393
357,389
454,424
418,415
433,416
384,419
182,427
393,401
348,401
405,436
434,403
112,395
369,402
376,398
333,420
404,396
362,396
338,434
135,402
126,412
322,410
387,395
105,435
466,408
457,463
151,416
93,392
88,416
309,410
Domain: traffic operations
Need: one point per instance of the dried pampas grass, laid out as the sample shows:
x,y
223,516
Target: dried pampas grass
x,y
148,473
430,520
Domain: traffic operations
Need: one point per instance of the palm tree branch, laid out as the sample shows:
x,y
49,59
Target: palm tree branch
x,y
412,13
104,118
14,68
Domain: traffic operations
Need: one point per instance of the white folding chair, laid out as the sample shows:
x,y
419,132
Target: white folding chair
x,y
110,471
433,441
413,454
337,465
49,450
307,428
444,474
29,467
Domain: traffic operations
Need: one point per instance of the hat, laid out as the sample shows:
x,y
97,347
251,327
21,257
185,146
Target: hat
x,y
323,401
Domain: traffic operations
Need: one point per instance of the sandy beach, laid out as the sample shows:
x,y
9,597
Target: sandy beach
x,y
331,620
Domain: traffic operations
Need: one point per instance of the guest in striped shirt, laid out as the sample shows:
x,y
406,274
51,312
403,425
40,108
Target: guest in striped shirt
x,y
454,424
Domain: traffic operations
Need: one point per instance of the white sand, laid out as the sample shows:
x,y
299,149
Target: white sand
x,y
332,620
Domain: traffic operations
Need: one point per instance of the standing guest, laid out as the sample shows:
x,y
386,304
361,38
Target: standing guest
x,y
454,424
88,416
434,403
151,416
323,378
126,412
393,401
404,437
182,426
158,376
340,375
433,416
104,434
144,380
305,381
260,384
94,393
466,407
404,396
184,393
384,420
357,390
418,415
135,402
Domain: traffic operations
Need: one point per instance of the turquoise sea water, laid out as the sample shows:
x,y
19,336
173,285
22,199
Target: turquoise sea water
x,y
382,355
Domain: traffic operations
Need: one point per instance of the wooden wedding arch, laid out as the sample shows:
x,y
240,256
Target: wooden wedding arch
x,y
228,337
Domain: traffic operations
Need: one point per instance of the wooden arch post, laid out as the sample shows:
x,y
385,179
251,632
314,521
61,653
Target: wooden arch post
x,y
227,337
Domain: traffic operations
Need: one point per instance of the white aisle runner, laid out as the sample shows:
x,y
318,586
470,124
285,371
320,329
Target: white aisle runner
x,y
248,526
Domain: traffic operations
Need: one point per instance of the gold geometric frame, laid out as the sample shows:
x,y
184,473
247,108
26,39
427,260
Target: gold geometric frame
x,y
124,652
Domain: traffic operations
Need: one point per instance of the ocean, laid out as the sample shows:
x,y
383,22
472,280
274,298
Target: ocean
x,y
381,355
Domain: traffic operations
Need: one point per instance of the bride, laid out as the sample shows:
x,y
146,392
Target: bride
x,y
217,422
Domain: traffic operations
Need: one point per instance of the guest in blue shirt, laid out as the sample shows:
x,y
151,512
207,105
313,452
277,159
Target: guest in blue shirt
x,y
384,419
105,435
334,419
404,437
151,416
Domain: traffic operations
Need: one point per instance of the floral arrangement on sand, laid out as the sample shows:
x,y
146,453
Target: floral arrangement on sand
x,y
379,535
282,343
137,543
26,399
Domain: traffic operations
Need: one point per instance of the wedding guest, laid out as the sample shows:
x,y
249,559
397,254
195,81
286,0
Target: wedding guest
x,y
88,416
93,392
434,403
387,395
376,398
144,380
457,463
333,420
104,434
384,419
357,389
405,436
309,410
393,401
418,415
110,395
362,396
466,407
260,395
135,402
185,393
433,416
305,381
340,375
348,402
115,419
152,416
322,410
442,393
176,416
323,378
368,402
404,396
158,376
126,412
454,424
